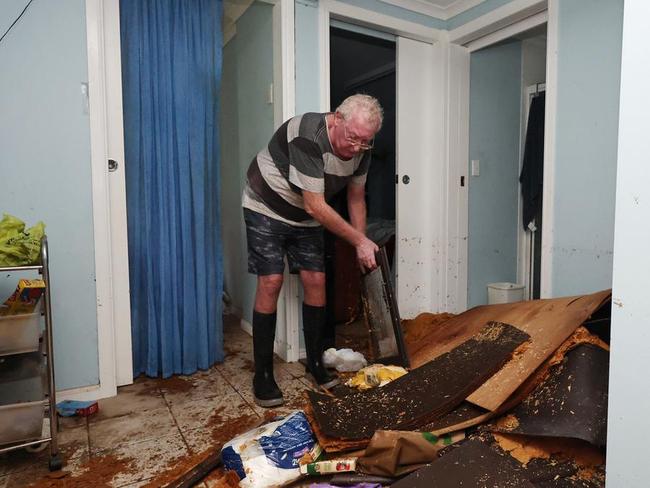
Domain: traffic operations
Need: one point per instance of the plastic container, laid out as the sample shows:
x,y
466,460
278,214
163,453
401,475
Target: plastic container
x,y
22,397
19,333
504,293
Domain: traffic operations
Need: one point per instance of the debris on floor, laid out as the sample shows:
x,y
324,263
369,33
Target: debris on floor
x,y
344,360
536,417
268,456
509,395
375,376
72,408
401,404
396,453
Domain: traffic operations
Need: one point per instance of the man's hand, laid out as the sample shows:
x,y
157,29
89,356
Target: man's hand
x,y
366,250
316,206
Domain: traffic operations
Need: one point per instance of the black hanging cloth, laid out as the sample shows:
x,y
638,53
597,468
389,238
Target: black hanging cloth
x,y
532,171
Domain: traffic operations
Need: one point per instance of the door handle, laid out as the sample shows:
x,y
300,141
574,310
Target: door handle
x,y
112,165
406,180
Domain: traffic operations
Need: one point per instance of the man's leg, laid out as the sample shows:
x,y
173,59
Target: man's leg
x,y
305,253
265,389
268,290
313,323
265,259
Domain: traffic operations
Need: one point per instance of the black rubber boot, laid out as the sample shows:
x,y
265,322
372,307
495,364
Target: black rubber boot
x,y
265,389
313,322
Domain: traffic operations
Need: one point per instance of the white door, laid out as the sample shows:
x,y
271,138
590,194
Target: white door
x,y
117,195
418,183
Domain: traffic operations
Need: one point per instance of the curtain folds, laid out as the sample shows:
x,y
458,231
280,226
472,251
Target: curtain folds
x,y
171,72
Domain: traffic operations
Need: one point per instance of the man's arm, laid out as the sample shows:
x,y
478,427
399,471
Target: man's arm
x,y
357,206
317,207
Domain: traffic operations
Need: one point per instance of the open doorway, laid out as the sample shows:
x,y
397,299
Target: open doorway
x,y
506,154
531,170
362,61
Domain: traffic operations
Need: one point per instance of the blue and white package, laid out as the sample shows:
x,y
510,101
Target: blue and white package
x,y
267,457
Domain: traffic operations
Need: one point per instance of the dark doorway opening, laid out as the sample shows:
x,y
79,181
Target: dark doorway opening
x,y
361,63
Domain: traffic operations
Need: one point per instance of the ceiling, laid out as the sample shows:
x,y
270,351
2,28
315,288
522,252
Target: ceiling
x,y
440,3
442,9
232,10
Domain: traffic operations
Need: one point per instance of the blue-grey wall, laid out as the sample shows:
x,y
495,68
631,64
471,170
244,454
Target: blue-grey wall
x,y
247,125
494,131
307,57
45,166
588,77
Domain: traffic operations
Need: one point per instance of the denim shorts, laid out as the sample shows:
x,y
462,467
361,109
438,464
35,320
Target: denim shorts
x,y
269,240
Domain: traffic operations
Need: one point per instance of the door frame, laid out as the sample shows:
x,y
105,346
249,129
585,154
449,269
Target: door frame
x,y
445,267
101,18
112,75
287,342
491,28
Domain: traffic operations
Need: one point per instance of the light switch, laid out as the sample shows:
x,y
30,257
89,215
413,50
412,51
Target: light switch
x,y
476,170
85,98
269,95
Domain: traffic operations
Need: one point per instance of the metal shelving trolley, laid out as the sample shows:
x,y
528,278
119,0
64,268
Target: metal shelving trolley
x,y
27,389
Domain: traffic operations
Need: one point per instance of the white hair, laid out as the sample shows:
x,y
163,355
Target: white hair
x,y
362,105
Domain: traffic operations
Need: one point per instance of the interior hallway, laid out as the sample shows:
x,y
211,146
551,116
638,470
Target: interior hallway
x,y
155,429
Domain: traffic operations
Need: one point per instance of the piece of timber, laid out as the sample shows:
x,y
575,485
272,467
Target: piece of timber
x,y
571,403
548,322
197,472
422,395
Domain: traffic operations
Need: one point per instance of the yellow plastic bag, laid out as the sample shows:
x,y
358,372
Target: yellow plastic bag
x,y
375,375
19,247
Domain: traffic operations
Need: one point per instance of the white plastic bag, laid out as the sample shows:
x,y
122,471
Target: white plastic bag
x,y
267,457
344,360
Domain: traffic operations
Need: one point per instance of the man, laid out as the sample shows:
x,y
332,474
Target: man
x,y
309,159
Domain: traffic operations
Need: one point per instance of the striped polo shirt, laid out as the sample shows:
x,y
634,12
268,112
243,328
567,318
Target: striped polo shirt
x,y
300,157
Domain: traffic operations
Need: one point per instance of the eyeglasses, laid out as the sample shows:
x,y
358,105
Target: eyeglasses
x,y
356,142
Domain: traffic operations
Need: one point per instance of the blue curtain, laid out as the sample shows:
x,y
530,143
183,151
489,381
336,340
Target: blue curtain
x,y
171,70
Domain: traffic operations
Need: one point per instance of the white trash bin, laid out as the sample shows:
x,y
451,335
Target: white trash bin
x,y
504,293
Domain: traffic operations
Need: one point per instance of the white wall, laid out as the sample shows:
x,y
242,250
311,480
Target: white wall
x,y
588,75
45,166
629,401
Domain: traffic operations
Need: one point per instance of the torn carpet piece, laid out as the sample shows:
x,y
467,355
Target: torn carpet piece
x,y
468,415
422,395
571,403
473,463
510,461
462,417
551,462
331,444
548,322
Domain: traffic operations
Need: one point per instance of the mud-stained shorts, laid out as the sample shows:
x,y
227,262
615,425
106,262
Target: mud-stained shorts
x,y
269,240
